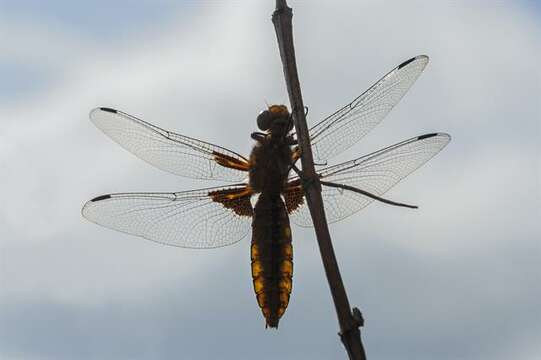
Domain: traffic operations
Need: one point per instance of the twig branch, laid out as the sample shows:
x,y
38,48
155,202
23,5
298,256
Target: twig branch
x,y
349,324
368,194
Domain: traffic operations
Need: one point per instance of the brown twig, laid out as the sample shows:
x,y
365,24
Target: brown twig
x,y
368,194
349,322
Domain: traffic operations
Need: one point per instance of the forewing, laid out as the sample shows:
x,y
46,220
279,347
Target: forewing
x,y
348,125
375,173
175,153
206,218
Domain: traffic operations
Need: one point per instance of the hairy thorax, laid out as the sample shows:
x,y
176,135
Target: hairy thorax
x,y
270,159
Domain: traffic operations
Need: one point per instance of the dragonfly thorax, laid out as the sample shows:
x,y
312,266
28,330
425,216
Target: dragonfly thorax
x,y
271,157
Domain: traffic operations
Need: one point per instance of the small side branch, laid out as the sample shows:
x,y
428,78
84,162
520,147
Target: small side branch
x,y
366,193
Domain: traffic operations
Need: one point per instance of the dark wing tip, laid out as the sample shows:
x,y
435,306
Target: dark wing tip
x,y
98,112
405,63
108,110
426,136
101,197
409,61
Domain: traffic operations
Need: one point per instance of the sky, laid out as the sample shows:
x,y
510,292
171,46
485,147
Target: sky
x,y
456,279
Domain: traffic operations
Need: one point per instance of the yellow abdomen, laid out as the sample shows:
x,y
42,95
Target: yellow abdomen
x,y
272,257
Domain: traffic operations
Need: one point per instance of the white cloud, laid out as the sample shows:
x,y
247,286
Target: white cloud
x,y
461,266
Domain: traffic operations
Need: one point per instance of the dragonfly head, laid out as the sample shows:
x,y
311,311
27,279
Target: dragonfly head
x,y
276,119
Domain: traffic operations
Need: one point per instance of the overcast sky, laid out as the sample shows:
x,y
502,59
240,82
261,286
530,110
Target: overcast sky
x,y
456,279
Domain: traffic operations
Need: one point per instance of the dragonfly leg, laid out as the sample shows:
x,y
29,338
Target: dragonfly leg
x,y
306,181
297,154
297,170
291,140
259,136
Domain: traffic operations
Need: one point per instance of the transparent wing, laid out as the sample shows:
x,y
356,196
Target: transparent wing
x,y
177,154
348,125
375,173
206,218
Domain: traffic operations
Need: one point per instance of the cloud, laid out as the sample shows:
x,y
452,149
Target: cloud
x,y
455,279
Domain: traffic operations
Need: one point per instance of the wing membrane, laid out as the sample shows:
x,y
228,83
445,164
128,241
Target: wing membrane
x,y
175,153
375,173
205,218
348,125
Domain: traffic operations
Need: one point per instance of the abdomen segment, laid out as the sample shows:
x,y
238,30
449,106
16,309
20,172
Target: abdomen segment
x,y
272,257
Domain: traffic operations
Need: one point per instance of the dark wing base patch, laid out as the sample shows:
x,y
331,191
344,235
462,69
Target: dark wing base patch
x,y
231,162
293,196
237,200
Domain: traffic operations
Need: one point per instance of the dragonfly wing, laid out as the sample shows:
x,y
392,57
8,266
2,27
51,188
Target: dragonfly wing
x,y
375,173
348,125
206,218
175,153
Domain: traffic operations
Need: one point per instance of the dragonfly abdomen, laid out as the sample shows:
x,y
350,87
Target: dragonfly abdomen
x,y
272,257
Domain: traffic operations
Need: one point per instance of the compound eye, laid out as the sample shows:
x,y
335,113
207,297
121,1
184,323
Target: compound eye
x,y
264,120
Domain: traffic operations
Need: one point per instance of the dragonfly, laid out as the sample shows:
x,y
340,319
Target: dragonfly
x,y
264,190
